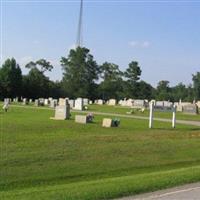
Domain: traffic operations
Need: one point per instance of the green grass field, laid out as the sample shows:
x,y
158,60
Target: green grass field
x,y
124,110
49,159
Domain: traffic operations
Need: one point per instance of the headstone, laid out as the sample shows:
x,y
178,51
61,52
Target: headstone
x,y
198,104
81,119
25,102
179,108
85,101
62,112
46,102
139,103
100,102
52,103
159,104
63,102
163,106
30,100
130,102
112,102
78,104
190,109
107,122
41,101
71,103
6,101
37,102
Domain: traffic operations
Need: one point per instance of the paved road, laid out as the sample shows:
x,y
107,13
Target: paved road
x,y
186,122
186,192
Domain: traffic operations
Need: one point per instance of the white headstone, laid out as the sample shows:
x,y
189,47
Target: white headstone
x,y
112,102
78,104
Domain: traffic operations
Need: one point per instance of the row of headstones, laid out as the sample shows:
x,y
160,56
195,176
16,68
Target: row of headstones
x,y
62,112
137,103
185,107
77,104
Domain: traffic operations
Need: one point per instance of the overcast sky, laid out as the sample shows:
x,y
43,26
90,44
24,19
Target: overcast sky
x,y
163,36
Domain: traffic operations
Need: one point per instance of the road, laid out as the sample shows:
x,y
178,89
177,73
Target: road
x,y
186,192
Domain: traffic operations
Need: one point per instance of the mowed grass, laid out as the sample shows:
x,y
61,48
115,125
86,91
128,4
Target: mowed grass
x,y
123,110
48,159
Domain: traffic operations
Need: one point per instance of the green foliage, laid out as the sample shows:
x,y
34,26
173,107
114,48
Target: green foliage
x,y
133,72
163,90
111,84
83,77
132,75
41,64
10,79
80,73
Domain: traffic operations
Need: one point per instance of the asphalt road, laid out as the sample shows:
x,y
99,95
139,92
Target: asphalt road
x,y
186,192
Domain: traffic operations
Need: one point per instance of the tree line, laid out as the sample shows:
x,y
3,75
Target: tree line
x,y
83,77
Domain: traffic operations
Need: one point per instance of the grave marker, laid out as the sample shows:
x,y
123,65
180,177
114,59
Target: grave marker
x,y
190,109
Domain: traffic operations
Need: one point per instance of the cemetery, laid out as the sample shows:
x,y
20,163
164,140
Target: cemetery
x,y
92,145
112,121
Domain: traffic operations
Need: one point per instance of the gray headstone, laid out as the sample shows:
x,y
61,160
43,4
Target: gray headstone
x,y
190,109
62,112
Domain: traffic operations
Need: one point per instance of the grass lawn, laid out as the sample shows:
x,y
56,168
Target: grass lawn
x,y
49,159
124,110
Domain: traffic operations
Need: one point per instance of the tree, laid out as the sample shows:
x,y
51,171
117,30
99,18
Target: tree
x,y
133,72
146,91
196,85
10,79
41,64
80,73
111,85
36,84
163,90
179,92
132,75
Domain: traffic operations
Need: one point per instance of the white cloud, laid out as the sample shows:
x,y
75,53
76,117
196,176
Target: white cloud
x,y
145,44
133,43
138,44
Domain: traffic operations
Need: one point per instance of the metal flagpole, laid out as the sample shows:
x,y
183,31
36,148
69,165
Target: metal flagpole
x,y
79,33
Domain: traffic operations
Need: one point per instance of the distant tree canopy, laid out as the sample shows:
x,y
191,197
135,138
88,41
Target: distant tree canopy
x,y
111,82
41,65
10,79
83,77
80,73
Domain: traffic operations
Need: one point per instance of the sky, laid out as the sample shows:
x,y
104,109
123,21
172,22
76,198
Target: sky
x,y
163,36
